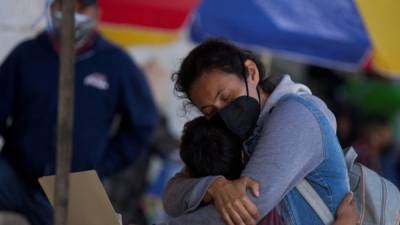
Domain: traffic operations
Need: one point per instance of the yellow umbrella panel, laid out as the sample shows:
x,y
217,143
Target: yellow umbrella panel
x,y
128,36
382,20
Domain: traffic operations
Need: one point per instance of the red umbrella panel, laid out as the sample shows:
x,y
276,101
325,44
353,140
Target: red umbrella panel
x,y
133,22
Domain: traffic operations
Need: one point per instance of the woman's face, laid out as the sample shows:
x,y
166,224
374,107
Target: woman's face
x,y
215,89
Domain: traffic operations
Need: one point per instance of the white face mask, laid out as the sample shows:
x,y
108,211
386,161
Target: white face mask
x,y
84,25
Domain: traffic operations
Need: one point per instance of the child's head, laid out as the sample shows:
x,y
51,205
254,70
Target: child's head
x,y
209,148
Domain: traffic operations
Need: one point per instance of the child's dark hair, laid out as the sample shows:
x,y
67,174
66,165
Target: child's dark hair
x,y
218,54
209,148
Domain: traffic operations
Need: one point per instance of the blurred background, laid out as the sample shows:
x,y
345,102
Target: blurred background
x,y
346,51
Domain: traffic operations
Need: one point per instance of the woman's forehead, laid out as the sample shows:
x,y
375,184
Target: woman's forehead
x,y
204,89
209,84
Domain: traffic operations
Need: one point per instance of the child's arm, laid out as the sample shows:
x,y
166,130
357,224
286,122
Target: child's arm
x,y
347,212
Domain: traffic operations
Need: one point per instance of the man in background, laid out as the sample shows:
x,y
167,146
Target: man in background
x,y
373,139
108,85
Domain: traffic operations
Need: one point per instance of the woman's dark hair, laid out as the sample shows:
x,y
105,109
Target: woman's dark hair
x,y
217,54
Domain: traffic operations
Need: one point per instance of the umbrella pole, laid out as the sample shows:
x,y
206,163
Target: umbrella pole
x,y
65,114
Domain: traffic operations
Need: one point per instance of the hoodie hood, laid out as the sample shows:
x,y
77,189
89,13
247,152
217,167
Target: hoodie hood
x,y
285,87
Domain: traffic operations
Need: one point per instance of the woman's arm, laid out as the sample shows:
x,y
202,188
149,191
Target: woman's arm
x,y
184,194
290,147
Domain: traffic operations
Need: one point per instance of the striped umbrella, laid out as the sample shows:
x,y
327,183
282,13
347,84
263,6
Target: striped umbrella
x,y
135,22
341,34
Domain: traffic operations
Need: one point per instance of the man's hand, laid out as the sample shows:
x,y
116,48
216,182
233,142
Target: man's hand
x,y
231,201
347,212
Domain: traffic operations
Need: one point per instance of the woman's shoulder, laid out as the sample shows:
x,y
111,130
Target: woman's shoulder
x,y
292,128
301,107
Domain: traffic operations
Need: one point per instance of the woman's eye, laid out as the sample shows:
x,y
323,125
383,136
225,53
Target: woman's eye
x,y
224,98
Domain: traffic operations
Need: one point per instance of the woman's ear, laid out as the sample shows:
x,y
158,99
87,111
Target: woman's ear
x,y
252,70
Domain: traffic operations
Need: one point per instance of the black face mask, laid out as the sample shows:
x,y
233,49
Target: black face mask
x,y
241,115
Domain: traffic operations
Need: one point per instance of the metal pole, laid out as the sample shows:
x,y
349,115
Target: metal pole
x,y
65,113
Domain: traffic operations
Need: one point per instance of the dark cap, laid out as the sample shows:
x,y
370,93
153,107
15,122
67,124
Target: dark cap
x,y
84,2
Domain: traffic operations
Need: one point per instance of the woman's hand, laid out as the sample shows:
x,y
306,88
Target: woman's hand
x,y
347,212
231,201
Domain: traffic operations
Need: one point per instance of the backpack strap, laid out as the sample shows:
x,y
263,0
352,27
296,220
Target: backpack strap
x,y
316,203
350,157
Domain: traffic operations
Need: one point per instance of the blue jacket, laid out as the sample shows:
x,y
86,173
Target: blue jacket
x,y
108,84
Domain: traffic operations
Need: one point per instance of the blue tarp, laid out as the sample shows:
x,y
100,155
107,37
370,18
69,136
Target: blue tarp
x,y
323,32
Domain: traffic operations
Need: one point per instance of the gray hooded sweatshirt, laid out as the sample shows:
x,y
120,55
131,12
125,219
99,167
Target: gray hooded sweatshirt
x,y
289,147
